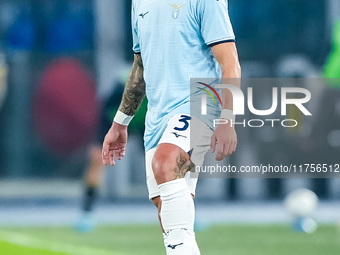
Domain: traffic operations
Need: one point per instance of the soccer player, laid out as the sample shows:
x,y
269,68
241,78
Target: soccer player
x,y
173,41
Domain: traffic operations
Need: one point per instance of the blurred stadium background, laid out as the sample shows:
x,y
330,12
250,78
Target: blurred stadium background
x,y
63,57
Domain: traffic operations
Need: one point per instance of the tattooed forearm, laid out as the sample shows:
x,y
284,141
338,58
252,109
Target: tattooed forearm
x,y
134,91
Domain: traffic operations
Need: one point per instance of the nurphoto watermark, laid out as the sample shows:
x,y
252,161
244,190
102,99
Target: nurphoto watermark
x,y
286,128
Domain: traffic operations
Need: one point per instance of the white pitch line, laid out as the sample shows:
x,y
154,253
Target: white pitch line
x,y
36,243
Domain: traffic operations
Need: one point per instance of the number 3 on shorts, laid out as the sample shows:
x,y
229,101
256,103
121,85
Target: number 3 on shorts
x,y
184,119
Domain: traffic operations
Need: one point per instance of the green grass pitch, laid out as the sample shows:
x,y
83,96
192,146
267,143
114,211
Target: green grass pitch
x,y
147,239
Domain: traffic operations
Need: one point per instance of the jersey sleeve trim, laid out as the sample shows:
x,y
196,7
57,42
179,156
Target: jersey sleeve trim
x,y
213,43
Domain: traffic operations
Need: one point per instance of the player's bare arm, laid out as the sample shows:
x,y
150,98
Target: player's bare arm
x,y
134,93
225,137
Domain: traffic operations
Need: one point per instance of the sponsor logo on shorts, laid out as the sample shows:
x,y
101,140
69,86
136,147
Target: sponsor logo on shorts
x,y
177,135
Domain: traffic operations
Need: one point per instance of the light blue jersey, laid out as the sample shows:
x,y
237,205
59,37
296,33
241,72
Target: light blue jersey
x,y
174,38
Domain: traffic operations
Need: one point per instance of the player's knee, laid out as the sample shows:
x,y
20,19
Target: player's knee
x,y
167,167
170,162
162,167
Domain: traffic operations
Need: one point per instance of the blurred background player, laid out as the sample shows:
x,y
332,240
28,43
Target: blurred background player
x,y
327,126
95,169
332,73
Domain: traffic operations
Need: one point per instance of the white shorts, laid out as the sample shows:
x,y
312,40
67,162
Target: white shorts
x,y
188,133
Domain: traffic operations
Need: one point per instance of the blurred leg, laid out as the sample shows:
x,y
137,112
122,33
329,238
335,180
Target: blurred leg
x,y
93,179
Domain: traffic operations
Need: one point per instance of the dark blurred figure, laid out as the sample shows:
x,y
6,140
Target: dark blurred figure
x,y
95,171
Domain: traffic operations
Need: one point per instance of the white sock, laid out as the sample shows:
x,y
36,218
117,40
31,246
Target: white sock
x,y
178,215
190,248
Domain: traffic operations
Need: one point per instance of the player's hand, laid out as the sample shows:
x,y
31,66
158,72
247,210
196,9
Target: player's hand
x,y
114,144
225,139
